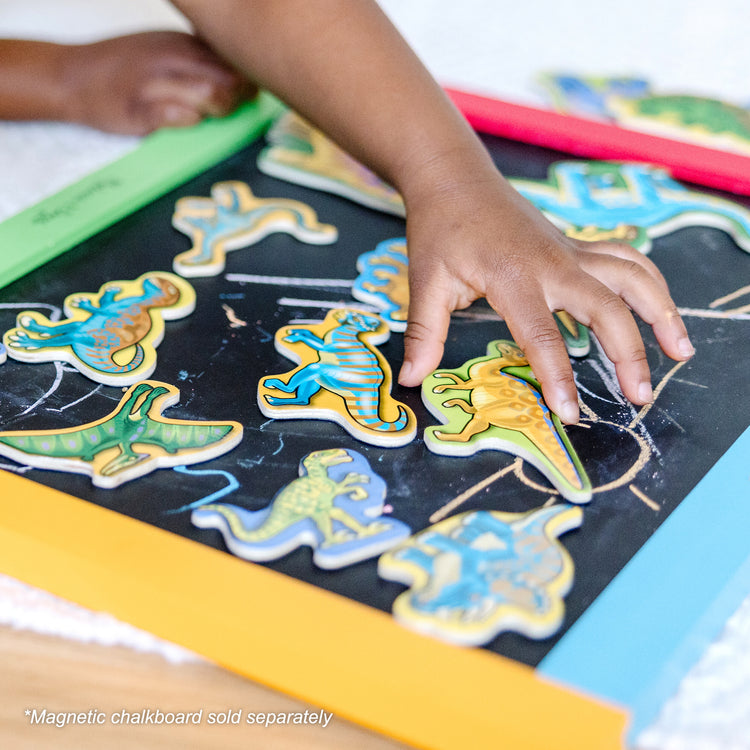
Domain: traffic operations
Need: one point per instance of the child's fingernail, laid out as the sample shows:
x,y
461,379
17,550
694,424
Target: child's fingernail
x,y
645,393
568,412
406,370
685,348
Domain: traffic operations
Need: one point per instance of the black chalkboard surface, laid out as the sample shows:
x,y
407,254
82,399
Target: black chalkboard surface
x,y
641,463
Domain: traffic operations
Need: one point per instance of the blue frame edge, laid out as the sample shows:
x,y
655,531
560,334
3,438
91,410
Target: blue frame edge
x,y
635,643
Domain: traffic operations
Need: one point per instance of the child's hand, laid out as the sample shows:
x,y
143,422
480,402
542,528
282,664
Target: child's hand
x,y
484,240
135,84
469,233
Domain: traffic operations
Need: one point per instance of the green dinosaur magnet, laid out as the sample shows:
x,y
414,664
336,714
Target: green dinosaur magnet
x,y
495,403
134,440
335,506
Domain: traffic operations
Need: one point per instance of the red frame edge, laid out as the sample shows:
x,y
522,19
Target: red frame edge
x,y
599,140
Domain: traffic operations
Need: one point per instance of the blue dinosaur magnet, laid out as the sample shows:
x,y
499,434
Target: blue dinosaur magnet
x,y
233,218
341,377
477,574
383,281
634,202
111,336
335,506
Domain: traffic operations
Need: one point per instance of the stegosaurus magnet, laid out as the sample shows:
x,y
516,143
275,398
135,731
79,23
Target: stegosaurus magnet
x,y
477,574
133,440
494,403
335,506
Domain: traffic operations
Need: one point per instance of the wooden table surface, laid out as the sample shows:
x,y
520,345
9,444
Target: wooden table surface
x,y
46,672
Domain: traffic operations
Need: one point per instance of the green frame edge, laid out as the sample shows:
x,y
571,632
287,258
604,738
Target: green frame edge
x,y
164,160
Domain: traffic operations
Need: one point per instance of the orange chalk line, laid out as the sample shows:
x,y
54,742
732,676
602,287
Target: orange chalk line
x,y
645,498
741,292
659,388
438,515
234,321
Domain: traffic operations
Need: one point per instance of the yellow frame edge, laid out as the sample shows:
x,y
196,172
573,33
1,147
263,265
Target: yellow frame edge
x,y
291,635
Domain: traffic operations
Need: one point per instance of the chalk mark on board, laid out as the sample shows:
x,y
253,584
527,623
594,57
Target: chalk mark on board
x,y
449,507
246,278
645,498
325,305
646,408
16,469
55,313
55,385
77,401
232,485
740,313
741,292
737,313
234,321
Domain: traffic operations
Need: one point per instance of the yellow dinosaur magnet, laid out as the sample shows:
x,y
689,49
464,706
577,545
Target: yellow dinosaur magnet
x,y
301,154
335,506
494,403
341,377
477,574
233,218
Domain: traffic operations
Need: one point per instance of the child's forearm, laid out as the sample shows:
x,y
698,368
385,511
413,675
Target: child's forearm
x,y
32,80
378,101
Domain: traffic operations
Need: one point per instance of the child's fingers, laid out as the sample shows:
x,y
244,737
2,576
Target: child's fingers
x,y
625,252
170,114
424,339
595,305
534,329
204,95
187,57
646,295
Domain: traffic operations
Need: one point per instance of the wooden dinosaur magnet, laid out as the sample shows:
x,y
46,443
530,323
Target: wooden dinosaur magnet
x,y
234,218
301,154
335,506
494,403
477,574
341,377
133,440
111,336
383,281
